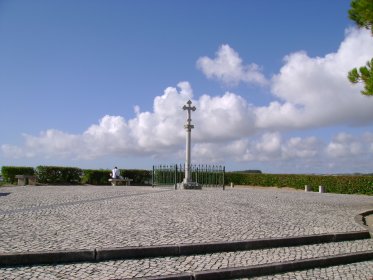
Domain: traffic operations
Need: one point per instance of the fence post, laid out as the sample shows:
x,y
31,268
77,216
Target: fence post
x,y
223,177
175,176
204,175
153,176
321,189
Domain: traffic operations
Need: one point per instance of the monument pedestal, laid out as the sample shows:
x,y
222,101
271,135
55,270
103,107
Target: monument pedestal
x,y
189,186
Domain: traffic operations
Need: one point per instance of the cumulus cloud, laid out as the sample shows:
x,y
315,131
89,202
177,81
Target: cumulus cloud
x,y
308,92
147,133
345,153
217,119
344,145
297,147
48,144
223,118
315,92
228,67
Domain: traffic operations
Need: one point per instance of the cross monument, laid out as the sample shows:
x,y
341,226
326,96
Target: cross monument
x,y
187,183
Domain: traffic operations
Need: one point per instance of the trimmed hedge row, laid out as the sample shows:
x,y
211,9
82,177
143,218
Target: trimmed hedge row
x,y
334,184
100,177
9,172
72,175
139,177
58,175
96,177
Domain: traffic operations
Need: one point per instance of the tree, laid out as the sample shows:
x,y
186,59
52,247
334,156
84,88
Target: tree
x,y
362,13
365,75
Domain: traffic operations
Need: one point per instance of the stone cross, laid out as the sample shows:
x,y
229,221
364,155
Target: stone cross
x,y
188,127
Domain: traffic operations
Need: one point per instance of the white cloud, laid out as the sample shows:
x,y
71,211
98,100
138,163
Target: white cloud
x,y
217,119
228,68
269,147
50,143
297,147
109,136
11,151
345,145
308,92
315,92
344,153
237,150
368,139
223,117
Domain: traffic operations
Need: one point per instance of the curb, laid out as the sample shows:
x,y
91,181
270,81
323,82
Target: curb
x,y
269,269
105,254
361,219
51,257
214,247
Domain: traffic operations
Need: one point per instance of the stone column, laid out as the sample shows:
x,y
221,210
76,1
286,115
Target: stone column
x,y
188,127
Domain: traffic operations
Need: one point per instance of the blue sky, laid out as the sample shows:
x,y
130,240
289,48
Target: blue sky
x,y
95,84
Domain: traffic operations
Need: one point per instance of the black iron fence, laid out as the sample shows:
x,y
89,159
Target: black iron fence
x,y
204,175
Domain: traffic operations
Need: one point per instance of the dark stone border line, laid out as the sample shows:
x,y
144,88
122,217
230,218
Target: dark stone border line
x,y
50,257
105,254
360,218
269,269
214,247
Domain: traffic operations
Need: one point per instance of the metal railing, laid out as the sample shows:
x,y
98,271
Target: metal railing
x,y
204,175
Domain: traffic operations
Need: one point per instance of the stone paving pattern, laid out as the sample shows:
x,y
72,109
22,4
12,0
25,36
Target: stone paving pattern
x,y
126,269
44,218
355,271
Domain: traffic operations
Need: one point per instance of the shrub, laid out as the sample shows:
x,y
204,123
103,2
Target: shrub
x,y
96,177
335,184
58,175
140,177
100,177
9,172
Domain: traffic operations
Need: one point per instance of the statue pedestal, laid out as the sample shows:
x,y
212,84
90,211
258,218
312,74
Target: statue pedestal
x,y
189,186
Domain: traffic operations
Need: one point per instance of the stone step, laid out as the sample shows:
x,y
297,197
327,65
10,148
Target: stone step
x,y
103,254
353,271
222,265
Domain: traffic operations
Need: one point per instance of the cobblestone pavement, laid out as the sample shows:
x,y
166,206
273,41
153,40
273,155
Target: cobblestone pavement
x,y
355,271
44,218
127,269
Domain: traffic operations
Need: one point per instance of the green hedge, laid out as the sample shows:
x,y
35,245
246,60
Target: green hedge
x,y
58,175
71,175
96,177
139,177
9,172
101,177
334,184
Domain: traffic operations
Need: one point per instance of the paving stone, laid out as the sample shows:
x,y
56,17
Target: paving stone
x,y
175,265
44,218
361,271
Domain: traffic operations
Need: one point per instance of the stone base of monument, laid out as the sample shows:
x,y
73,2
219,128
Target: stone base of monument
x,y
189,186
